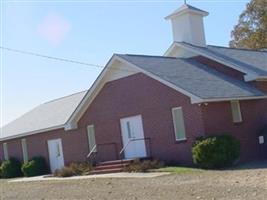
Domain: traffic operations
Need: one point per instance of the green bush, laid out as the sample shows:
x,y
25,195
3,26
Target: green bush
x,y
143,166
11,168
74,169
35,167
216,151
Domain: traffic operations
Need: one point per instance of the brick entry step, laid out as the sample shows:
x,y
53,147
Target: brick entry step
x,y
110,166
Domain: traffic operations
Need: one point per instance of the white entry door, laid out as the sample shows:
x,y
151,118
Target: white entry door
x,y
55,154
132,129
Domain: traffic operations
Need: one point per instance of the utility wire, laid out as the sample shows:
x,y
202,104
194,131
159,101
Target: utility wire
x,y
89,64
50,57
59,59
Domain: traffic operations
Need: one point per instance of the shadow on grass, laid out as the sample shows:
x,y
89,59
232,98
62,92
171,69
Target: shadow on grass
x,y
250,165
241,166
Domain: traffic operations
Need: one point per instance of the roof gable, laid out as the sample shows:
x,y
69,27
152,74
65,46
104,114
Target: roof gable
x,y
252,63
193,77
188,77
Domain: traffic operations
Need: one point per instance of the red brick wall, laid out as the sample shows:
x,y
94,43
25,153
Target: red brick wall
x,y
139,94
261,85
74,144
134,95
220,67
218,119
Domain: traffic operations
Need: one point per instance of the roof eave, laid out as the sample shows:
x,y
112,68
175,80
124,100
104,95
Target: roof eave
x,y
32,132
232,99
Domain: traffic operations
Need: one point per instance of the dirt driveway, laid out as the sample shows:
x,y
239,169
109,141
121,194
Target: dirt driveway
x,y
250,184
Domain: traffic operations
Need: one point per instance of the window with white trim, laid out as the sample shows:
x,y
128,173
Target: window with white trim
x,y
91,137
24,150
236,111
5,148
178,122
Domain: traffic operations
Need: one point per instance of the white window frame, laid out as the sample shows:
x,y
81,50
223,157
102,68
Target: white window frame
x,y
236,112
90,145
5,148
24,150
174,124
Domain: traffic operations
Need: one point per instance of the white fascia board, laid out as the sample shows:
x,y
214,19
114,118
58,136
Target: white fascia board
x,y
185,11
232,99
31,133
230,64
170,49
76,115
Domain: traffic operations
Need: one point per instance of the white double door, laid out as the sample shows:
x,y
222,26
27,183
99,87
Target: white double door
x,y
133,137
56,157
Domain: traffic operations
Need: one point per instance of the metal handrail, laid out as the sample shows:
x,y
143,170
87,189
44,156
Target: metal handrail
x,y
131,140
92,151
102,144
123,149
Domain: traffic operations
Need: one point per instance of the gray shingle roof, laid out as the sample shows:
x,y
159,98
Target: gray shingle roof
x,y
247,60
194,77
48,115
188,74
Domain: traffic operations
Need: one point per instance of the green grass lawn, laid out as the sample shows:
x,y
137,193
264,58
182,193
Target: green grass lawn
x,y
178,170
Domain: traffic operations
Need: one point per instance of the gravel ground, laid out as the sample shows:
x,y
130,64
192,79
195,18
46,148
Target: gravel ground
x,y
250,184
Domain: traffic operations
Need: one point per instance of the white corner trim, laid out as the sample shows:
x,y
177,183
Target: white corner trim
x,y
70,126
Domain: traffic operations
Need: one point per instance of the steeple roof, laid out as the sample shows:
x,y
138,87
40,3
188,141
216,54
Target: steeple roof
x,y
187,8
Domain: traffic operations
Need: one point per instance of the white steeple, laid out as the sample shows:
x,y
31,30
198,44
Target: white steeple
x,y
187,25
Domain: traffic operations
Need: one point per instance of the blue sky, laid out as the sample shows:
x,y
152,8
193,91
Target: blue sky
x,y
88,32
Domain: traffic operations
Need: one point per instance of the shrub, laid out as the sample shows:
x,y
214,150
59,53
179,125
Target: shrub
x,y
83,168
143,166
74,169
64,172
216,151
11,168
35,167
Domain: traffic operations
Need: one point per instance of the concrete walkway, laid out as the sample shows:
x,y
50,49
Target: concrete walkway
x,y
114,175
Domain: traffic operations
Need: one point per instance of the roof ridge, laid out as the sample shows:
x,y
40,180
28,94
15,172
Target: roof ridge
x,y
64,97
242,49
142,55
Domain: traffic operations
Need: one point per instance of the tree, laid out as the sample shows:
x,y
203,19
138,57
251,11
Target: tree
x,y
251,30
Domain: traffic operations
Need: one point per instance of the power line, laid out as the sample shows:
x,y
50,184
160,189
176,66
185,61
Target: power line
x,y
51,57
86,64
59,59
